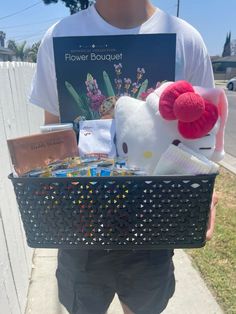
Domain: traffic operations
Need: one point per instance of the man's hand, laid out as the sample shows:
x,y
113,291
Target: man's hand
x,y
211,221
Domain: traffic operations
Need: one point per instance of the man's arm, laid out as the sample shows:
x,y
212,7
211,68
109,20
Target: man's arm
x,y
50,118
211,221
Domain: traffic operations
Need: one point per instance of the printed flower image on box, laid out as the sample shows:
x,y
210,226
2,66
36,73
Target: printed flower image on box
x,y
96,104
93,72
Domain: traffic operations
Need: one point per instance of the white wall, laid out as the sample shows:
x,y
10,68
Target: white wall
x,y
17,118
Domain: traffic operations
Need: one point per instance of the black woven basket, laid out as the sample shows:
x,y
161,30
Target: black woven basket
x,y
116,212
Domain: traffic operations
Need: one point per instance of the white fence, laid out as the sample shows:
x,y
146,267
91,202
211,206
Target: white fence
x,y
17,118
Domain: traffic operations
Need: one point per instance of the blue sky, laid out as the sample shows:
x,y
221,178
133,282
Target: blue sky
x,y
31,18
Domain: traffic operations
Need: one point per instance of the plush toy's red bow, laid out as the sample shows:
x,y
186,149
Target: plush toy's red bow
x,y
196,116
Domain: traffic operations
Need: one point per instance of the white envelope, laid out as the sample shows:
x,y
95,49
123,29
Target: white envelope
x,y
97,137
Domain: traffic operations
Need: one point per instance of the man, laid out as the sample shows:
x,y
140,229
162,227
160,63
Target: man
x,y
143,280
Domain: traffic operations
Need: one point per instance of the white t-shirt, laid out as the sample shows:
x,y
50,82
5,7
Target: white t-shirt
x,y
192,61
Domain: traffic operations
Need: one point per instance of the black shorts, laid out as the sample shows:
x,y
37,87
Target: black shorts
x,y
89,279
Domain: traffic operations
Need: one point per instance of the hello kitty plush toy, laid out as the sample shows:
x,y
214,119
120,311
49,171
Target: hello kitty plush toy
x,y
193,115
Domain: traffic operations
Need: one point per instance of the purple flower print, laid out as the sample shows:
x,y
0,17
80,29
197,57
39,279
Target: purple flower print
x,y
92,86
127,82
118,83
135,88
94,94
140,73
118,68
96,101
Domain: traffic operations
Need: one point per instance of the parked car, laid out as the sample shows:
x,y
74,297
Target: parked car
x,y
231,84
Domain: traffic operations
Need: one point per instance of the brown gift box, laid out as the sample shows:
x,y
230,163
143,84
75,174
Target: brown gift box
x,y
38,150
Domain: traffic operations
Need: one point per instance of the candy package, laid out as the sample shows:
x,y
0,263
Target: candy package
x,y
91,166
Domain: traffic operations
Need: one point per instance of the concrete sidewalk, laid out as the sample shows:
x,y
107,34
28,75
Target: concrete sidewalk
x,y
229,162
191,296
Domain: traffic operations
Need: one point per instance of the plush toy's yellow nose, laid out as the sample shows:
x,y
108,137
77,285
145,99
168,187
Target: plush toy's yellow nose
x,y
147,154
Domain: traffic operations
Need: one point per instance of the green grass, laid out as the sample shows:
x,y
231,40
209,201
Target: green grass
x,y
217,260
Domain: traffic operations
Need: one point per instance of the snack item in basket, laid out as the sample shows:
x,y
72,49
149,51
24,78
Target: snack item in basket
x,y
80,172
40,172
80,167
89,159
59,165
106,163
62,173
93,171
105,172
73,161
195,116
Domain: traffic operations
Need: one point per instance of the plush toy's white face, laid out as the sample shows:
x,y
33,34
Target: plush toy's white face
x,y
143,135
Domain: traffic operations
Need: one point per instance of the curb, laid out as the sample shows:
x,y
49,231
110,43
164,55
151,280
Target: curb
x,y
229,162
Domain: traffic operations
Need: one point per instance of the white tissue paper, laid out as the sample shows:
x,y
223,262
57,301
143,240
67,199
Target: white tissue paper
x,y
183,160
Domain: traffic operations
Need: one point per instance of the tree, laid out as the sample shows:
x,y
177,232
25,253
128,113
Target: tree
x,y
32,52
2,38
73,5
233,47
227,46
20,49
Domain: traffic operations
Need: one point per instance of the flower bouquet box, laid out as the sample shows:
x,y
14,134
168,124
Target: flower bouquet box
x,y
94,71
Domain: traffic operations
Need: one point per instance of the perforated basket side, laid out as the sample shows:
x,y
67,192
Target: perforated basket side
x,y
115,212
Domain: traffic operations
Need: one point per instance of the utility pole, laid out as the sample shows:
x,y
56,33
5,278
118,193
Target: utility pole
x,y
178,8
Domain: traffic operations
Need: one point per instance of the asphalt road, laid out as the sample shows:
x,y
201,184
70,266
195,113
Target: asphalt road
x,y
230,134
